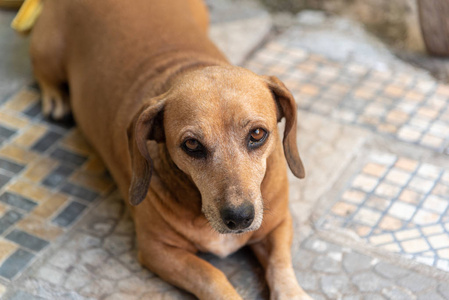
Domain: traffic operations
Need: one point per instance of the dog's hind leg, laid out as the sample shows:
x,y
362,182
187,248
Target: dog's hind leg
x,y
55,99
46,51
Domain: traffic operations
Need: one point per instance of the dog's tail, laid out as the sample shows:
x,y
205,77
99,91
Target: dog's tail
x,y
27,16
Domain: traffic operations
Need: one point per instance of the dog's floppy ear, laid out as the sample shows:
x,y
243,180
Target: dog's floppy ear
x,y
147,125
287,108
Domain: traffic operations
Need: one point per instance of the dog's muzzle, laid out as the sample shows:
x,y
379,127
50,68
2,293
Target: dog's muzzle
x,y
239,217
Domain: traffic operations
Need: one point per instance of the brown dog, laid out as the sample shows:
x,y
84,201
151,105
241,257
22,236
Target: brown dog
x,y
158,101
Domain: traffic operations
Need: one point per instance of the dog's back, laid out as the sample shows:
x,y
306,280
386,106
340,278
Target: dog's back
x,y
107,51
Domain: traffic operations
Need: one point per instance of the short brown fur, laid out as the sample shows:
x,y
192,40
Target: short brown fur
x,y
142,79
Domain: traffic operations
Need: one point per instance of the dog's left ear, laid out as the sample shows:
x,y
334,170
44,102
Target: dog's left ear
x,y
147,125
287,108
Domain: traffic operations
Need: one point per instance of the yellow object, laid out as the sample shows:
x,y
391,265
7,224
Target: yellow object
x,y
27,16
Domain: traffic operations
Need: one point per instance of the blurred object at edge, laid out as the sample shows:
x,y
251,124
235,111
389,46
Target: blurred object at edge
x,y
14,4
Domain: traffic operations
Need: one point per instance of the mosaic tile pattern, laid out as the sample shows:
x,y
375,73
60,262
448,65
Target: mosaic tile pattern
x,y
411,107
49,177
394,203
400,205
99,262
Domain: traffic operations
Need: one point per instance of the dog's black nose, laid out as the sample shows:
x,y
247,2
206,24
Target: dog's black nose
x,y
239,217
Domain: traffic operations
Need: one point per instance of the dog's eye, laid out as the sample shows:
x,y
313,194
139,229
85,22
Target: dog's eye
x,y
257,134
257,137
194,148
192,144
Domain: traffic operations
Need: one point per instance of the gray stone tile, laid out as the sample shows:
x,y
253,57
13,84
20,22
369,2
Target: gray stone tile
x,y
27,240
6,132
83,241
77,278
10,166
308,280
355,262
233,38
315,245
58,176
302,259
416,282
52,275
94,257
79,192
390,271
4,179
113,270
317,296
34,110
45,142
68,157
326,265
15,263
21,295
118,244
444,290
369,282
399,293
373,297
430,296
9,219
352,297
335,286
18,201
69,214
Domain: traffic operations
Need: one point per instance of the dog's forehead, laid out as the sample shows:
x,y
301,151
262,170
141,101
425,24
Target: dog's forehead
x,y
217,89
215,74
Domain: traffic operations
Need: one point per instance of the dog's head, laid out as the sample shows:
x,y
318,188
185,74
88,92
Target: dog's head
x,y
220,126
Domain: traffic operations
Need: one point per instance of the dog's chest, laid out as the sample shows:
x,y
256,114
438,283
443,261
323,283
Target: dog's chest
x,y
221,245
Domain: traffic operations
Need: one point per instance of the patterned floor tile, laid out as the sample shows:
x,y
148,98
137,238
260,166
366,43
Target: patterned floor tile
x,y
16,263
412,108
49,177
400,205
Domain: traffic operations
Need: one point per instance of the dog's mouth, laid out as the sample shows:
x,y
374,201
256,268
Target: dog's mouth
x,y
223,230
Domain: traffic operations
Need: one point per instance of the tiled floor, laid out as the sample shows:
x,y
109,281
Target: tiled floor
x,y
400,205
395,203
410,107
98,261
391,200
48,177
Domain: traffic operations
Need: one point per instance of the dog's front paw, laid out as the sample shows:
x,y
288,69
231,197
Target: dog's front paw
x,y
289,290
284,286
298,294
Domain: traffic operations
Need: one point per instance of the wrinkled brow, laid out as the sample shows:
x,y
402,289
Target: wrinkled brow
x,y
192,131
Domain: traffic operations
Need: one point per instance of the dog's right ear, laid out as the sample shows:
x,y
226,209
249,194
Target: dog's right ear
x,y
147,125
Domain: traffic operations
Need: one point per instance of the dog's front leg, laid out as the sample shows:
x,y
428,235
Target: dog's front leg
x,y
187,271
274,254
